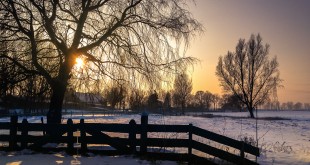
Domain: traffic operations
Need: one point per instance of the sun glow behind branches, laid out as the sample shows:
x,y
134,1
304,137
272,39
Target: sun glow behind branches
x,y
79,63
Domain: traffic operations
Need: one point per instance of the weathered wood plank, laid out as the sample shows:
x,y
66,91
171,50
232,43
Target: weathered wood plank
x,y
39,141
24,134
83,140
5,138
225,140
5,125
167,128
221,154
161,142
132,136
99,140
111,141
56,128
13,132
120,128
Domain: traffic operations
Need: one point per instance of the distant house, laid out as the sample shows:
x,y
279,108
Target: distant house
x,y
89,98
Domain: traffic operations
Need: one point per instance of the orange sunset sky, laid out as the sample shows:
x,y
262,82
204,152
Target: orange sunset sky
x,y
284,24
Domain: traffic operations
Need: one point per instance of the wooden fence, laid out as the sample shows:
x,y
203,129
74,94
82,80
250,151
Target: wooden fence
x,y
18,137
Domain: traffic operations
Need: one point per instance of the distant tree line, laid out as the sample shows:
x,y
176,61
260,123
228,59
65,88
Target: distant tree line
x,y
290,105
33,94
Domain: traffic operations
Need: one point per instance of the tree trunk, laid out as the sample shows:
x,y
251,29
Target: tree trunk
x,y
183,106
251,112
58,93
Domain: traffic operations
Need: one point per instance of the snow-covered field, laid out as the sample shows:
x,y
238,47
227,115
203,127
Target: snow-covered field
x,y
283,136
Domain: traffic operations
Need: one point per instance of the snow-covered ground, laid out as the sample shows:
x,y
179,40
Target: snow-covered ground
x,y
29,158
283,136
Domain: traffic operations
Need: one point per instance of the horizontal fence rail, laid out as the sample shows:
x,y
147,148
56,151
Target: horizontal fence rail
x,y
37,135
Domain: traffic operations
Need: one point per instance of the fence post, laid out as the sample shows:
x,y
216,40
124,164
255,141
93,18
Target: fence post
x,y
132,136
144,123
13,133
83,137
242,152
190,138
42,121
24,133
70,136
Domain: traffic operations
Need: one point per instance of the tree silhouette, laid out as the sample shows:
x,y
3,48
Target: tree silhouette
x,y
200,99
182,90
203,99
152,101
208,97
139,35
167,102
136,99
215,100
231,102
248,73
115,95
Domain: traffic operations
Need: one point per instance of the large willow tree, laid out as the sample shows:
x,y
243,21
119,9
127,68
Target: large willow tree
x,y
47,36
249,73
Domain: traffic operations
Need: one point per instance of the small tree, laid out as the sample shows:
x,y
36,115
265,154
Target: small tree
x,y
167,101
136,99
248,73
307,106
115,95
182,89
298,106
208,97
215,100
231,102
199,99
152,102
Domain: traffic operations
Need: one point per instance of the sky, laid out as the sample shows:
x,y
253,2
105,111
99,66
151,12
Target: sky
x,y
283,24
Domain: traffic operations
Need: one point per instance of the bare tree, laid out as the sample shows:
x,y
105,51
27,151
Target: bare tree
x,y
271,105
231,102
290,105
116,95
205,100
140,35
208,97
200,99
298,106
248,73
284,106
307,106
167,101
182,89
136,99
215,99
153,102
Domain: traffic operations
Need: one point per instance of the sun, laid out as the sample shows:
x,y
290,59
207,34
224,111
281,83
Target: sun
x,y
79,63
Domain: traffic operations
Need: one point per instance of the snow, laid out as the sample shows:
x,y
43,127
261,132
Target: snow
x,y
29,158
283,136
